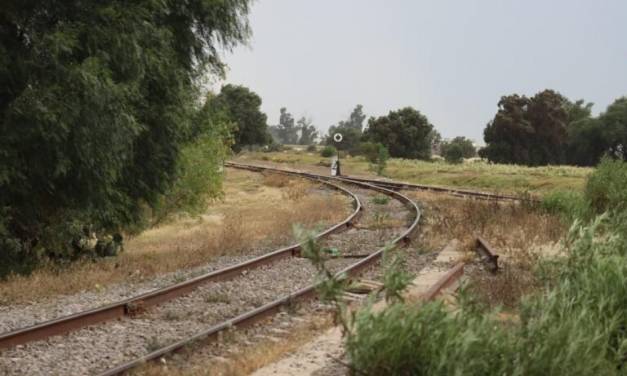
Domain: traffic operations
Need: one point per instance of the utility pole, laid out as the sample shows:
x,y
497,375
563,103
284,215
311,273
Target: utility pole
x,y
337,138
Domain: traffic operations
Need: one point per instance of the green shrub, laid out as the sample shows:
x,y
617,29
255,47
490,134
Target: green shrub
x,y
311,148
576,328
453,154
273,147
369,150
377,154
328,151
568,204
380,199
606,188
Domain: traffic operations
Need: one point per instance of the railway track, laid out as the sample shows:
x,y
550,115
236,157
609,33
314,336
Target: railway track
x,y
238,278
397,186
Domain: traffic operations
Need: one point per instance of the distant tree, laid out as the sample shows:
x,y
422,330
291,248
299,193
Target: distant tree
x,y
436,141
351,130
286,131
356,119
613,123
464,145
308,132
585,144
406,133
530,131
453,153
243,107
97,101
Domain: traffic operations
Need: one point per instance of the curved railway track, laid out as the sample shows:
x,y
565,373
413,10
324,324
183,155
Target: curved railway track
x,y
131,306
397,186
137,305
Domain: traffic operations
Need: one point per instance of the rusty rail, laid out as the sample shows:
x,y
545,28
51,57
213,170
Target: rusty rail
x,y
395,185
488,257
130,306
257,314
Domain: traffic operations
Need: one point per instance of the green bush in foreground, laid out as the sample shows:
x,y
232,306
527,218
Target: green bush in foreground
x,y
606,188
328,151
578,328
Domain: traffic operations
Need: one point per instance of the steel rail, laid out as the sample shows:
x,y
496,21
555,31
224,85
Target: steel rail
x,y
395,185
136,304
258,314
488,257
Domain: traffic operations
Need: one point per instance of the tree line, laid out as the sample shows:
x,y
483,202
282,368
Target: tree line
x,y
548,128
545,129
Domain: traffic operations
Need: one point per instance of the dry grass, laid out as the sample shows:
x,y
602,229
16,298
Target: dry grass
x,y
476,174
252,216
519,234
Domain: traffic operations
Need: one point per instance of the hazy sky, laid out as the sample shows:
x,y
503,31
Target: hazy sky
x,y
451,60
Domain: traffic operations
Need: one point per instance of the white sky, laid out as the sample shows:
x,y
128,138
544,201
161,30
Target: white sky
x,y
451,60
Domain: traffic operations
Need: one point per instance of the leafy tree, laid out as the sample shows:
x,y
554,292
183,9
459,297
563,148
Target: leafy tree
x,y
453,153
613,123
378,158
308,132
464,145
436,142
585,144
351,130
243,107
286,131
529,131
406,133
356,119
97,100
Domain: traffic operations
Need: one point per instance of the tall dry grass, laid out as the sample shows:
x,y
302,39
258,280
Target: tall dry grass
x,y
253,216
519,234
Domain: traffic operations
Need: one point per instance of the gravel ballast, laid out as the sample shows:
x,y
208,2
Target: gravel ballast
x,y
94,349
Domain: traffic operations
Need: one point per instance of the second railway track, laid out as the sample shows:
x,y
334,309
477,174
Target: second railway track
x,y
246,296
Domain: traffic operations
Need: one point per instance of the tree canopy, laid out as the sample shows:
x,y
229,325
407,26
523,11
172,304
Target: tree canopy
x,y
351,130
458,148
97,99
529,131
406,133
243,107
307,130
286,131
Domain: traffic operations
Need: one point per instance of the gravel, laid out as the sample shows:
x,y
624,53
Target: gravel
x,y
94,349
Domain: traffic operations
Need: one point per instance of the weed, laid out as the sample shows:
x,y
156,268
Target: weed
x,y
172,316
218,297
154,344
276,180
380,200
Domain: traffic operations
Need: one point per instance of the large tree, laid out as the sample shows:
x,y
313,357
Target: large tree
x,y
286,132
613,123
529,131
97,98
308,132
351,130
585,144
463,144
406,133
243,107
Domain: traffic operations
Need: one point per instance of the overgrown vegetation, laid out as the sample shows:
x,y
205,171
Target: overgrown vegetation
x,y
253,216
575,325
97,102
475,175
